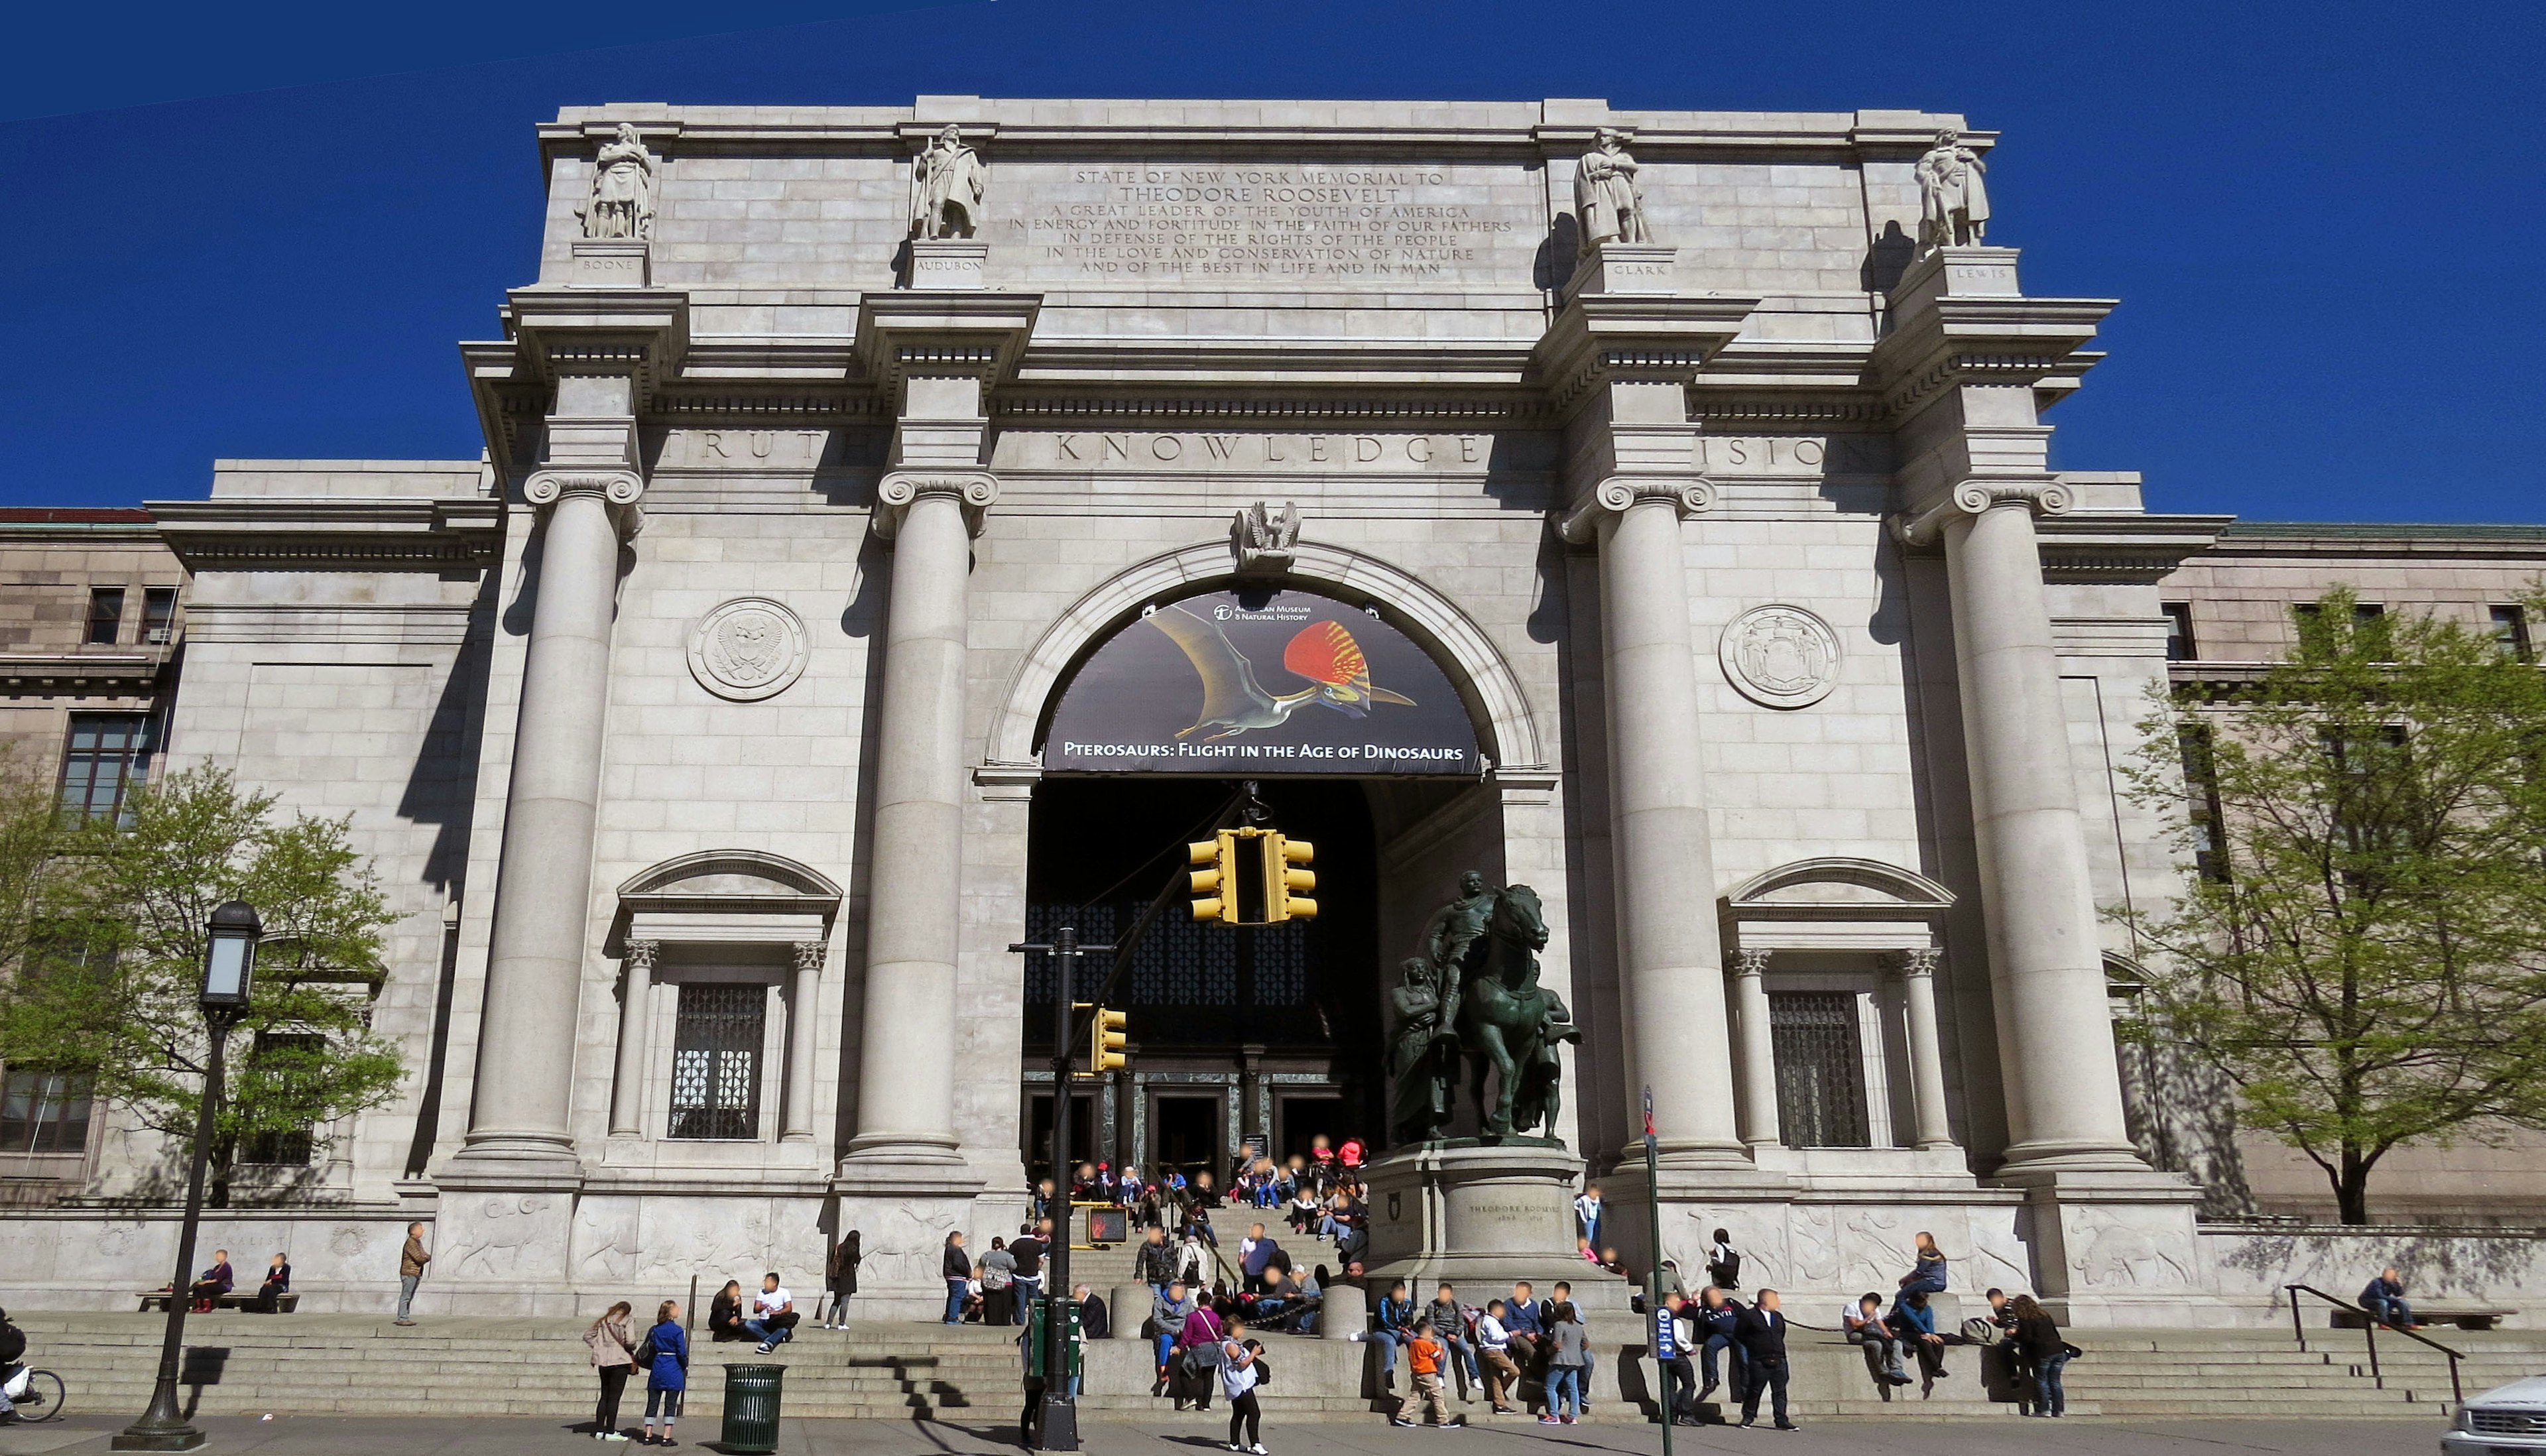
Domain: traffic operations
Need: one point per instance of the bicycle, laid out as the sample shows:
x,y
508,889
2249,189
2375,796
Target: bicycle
x,y
38,1395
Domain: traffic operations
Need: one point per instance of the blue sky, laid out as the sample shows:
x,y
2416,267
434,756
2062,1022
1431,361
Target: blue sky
x,y
258,231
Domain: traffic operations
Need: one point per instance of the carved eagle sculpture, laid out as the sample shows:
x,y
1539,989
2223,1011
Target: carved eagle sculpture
x,y
1234,702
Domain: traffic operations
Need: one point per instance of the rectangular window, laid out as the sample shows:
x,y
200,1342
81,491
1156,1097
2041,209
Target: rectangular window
x,y
278,1058
716,1061
2179,631
43,1112
105,761
158,616
2201,784
1821,1070
2511,632
106,615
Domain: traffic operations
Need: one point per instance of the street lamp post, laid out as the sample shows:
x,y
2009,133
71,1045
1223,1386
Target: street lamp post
x,y
229,965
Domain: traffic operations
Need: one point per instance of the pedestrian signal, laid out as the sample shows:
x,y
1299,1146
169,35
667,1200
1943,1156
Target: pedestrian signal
x,y
1215,888
1106,1041
1287,877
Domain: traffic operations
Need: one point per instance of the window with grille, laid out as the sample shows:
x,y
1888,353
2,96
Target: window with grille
x,y
43,1112
105,760
716,1061
276,1061
1821,1070
105,615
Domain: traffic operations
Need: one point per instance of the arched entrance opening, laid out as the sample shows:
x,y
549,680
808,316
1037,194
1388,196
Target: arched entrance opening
x,y
1362,741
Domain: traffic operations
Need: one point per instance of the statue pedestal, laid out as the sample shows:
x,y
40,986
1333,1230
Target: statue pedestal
x,y
1627,268
1482,1213
1956,273
610,263
947,262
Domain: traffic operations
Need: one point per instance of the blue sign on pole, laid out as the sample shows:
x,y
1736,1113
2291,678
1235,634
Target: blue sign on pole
x,y
1666,1336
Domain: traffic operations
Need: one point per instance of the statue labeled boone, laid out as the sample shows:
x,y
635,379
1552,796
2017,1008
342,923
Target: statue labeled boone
x,y
1474,996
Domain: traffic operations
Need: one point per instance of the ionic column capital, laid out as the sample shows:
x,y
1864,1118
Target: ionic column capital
x,y
618,490
1921,961
1925,528
1686,496
974,491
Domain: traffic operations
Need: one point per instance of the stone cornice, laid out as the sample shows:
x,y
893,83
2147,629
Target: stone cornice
x,y
2118,547
125,674
975,333
269,532
639,332
1507,408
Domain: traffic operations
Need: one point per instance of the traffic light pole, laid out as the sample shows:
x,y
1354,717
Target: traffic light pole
x,y
1058,1430
1664,1328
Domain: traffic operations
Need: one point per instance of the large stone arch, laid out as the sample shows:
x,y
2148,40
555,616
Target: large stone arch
x,y
1505,728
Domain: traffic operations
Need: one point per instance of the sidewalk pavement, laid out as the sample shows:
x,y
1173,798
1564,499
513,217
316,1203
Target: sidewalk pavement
x,y
329,1436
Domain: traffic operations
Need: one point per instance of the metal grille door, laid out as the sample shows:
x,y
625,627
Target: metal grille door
x,y
716,1061
1821,1070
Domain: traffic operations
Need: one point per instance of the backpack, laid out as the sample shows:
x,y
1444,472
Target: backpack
x,y
12,1343
1977,1331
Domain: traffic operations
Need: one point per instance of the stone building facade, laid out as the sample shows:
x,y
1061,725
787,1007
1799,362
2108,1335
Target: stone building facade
x,y
701,725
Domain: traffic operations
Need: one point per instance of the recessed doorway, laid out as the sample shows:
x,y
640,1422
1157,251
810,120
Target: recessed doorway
x,y
1302,1119
1185,1134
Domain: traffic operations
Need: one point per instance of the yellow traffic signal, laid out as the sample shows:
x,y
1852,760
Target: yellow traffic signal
x,y
1287,877
1106,1041
1214,890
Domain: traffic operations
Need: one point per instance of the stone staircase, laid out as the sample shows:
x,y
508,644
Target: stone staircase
x,y
359,1366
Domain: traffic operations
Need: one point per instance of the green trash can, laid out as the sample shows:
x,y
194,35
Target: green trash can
x,y
752,1395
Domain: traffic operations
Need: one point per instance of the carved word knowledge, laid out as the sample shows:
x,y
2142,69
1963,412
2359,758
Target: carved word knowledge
x,y
1248,221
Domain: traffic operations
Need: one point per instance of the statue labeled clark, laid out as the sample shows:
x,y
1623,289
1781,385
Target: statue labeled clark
x,y
1474,996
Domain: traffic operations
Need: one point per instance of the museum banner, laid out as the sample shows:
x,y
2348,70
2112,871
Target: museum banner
x,y
1249,683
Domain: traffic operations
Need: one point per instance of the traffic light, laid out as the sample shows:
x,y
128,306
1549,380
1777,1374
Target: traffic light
x,y
1214,890
1286,875
1106,1040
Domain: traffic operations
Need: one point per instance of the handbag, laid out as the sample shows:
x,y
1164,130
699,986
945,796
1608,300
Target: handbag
x,y
1977,1331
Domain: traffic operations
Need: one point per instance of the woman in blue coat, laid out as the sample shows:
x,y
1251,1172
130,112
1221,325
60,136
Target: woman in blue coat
x,y
666,1357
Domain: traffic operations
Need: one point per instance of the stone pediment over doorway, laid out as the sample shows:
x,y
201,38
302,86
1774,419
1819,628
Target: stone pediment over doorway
x,y
727,897
1836,903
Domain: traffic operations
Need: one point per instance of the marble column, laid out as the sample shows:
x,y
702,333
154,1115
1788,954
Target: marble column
x,y
1670,962
906,1112
635,1002
518,1129
1917,971
804,996
2046,965
1758,1062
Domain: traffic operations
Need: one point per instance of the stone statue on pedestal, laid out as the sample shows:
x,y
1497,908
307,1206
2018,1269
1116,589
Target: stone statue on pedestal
x,y
1953,196
620,201
1475,994
945,188
1606,201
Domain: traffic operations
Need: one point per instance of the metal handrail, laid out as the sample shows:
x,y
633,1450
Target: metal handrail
x,y
2370,1325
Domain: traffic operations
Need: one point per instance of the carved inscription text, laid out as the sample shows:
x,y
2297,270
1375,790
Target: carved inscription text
x,y
1250,222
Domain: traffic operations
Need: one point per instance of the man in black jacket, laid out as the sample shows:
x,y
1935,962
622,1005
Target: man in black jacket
x,y
1761,1331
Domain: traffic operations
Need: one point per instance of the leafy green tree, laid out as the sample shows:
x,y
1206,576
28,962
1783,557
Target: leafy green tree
x,y
2361,946
117,997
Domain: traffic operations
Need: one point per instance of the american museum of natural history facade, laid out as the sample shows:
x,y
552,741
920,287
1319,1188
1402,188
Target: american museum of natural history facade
x,y
899,530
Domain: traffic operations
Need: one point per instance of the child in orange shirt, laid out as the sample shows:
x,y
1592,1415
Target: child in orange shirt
x,y
1425,1353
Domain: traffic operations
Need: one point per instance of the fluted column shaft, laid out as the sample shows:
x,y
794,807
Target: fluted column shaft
x,y
636,998
906,1063
1669,964
2053,1031
519,1114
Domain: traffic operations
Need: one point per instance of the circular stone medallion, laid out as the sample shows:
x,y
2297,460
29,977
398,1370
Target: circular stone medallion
x,y
747,649
1781,657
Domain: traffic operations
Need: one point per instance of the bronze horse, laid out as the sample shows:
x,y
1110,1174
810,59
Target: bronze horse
x,y
1510,1023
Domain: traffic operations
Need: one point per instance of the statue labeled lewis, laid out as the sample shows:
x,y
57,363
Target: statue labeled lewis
x,y
1474,999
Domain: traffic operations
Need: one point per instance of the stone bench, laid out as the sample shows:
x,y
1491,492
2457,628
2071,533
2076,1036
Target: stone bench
x,y
158,1299
2464,1317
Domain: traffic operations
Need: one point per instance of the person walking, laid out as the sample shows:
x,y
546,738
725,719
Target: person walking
x,y
666,1355
1198,1356
612,1338
1156,1264
842,1275
2039,1345
411,1261
1569,1351
957,1266
1762,1335
1242,1371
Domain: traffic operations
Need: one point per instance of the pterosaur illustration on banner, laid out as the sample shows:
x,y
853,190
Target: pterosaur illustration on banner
x,y
1234,702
